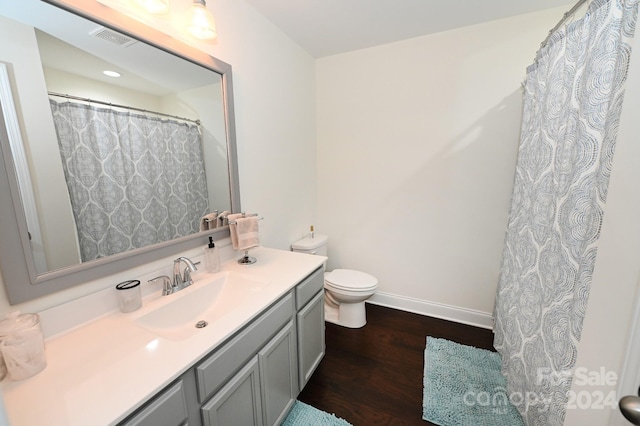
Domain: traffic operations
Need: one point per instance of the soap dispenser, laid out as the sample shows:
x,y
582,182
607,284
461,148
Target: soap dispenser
x,y
211,257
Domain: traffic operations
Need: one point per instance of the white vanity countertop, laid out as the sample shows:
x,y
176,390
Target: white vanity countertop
x,y
102,371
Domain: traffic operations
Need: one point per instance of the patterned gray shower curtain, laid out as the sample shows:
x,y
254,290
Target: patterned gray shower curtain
x,y
572,101
133,179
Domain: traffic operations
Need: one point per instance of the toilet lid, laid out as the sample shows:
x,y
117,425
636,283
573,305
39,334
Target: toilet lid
x,y
348,279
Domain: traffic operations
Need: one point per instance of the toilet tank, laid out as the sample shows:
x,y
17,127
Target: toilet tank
x,y
316,245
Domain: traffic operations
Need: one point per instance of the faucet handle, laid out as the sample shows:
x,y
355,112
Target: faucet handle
x,y
167,286
186,278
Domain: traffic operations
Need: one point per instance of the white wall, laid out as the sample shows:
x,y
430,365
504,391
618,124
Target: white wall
x,y
32,105
275,120
417,143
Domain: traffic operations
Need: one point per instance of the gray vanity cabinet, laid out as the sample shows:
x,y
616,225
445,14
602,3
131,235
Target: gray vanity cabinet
x,y
310,325
263,391
260,394
254,378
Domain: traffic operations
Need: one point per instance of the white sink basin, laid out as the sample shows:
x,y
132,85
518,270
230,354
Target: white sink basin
x,y
209,298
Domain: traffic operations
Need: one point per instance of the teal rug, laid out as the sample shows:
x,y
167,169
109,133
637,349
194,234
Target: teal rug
x,y
305,415
463,386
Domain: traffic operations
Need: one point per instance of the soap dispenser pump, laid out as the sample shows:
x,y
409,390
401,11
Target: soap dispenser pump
x,y
211,257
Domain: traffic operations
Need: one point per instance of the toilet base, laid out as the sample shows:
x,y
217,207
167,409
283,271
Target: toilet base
x,y
350,315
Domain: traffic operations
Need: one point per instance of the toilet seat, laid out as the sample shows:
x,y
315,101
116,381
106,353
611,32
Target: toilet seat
x,y
350,280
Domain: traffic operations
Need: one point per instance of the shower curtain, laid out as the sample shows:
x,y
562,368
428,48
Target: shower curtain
x,y
133,179
572,100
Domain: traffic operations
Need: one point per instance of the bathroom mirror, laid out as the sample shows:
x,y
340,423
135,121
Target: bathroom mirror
x,y
50,175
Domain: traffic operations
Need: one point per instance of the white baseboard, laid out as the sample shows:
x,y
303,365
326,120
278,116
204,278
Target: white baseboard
x,y
433,309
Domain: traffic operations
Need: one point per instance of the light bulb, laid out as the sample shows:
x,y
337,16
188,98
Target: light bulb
x,y
110,73
202,25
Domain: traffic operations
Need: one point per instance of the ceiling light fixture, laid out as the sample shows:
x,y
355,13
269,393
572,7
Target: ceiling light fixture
x,y
111,73
154,6
201,24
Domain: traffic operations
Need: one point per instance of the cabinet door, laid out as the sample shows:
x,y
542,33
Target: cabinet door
x,y
238,403
311,345
279,375
218,368
168,408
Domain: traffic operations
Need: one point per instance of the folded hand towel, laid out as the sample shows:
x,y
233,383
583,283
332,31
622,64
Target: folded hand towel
x,y
246,231
231,218
208,221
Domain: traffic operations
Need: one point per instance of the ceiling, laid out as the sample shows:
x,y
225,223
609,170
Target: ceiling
x,y
329,27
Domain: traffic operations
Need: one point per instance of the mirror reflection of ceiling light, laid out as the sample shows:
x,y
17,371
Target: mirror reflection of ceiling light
x,y
154,6
201,24
110,73
194,15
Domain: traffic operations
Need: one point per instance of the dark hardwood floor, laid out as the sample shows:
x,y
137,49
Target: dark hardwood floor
x,y
373,375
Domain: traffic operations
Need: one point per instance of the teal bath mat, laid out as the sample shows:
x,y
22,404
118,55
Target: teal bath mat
x,y
305,415
463,386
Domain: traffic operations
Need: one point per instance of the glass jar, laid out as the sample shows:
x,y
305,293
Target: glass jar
x,y
22,345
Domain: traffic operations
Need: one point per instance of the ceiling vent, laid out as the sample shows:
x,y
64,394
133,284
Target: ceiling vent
x,y
113,37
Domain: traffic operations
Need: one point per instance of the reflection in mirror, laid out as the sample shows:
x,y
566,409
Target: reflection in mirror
x,y
133,167
108,166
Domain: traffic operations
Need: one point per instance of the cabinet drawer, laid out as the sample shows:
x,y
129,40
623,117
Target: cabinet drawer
x,y
309,287
216,369
169,408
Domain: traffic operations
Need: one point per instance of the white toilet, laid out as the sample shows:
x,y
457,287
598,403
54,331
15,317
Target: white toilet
x,y
345,290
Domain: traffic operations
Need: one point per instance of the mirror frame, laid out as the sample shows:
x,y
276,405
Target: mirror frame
x,y
16,260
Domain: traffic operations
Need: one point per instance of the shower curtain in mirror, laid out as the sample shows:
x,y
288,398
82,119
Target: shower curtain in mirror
x,y
572,101
133,179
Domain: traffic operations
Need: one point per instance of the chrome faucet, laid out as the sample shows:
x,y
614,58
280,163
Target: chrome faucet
x,y
167,287
180,281
184,280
